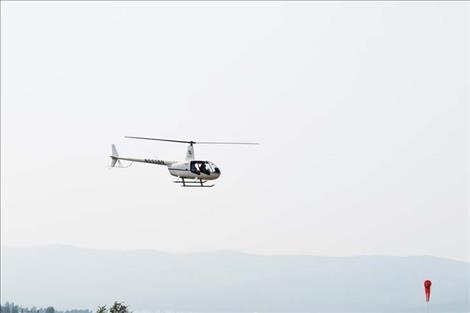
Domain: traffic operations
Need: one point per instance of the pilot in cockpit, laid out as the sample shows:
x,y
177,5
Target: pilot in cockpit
x,y
204,169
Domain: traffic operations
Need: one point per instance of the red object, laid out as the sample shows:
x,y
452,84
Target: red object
x,y
427,289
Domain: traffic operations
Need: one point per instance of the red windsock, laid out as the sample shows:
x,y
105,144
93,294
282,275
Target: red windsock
x,y
427,289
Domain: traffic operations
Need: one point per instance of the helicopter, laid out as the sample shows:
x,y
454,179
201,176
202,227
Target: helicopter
x,y
190,172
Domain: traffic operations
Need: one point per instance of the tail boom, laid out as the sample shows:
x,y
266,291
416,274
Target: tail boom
x,y
115,158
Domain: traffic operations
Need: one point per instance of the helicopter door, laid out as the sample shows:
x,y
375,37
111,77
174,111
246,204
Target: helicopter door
x,y
194,167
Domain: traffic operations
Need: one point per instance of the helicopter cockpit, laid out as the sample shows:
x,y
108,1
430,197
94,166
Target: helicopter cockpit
x,y
204,167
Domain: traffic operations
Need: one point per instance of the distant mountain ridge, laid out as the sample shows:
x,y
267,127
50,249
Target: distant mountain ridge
x,y
228,281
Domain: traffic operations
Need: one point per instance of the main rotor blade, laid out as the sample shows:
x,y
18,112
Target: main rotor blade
x,y
158,139
196,142
226,143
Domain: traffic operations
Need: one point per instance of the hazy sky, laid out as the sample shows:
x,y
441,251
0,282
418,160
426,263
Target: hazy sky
x,y
361,109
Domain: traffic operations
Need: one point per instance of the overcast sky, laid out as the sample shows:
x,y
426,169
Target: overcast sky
x,y
361,110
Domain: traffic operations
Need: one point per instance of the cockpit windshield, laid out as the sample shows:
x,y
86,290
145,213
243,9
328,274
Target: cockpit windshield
x,y
215,169
203,167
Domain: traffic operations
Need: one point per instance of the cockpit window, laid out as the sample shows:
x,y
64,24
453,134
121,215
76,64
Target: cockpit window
x,y
209,166
215,168
201,167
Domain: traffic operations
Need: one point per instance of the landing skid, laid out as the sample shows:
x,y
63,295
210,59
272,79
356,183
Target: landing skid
x,y
193,183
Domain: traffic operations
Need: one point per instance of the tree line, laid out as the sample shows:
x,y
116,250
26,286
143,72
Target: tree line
x,y
10,307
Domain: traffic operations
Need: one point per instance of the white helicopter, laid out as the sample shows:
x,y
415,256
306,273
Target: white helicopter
x,y
190,172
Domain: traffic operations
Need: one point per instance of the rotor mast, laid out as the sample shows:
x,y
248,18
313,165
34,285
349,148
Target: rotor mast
x,y
190,152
